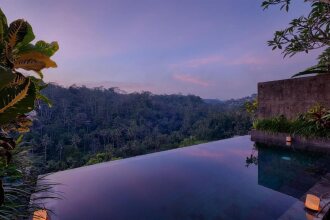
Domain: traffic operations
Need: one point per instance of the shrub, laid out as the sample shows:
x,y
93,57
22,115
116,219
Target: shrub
x,y
315,123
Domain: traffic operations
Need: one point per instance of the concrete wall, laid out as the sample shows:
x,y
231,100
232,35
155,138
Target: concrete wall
x,y
292,97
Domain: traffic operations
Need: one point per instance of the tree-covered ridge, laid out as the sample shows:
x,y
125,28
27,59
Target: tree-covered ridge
x,y
86,126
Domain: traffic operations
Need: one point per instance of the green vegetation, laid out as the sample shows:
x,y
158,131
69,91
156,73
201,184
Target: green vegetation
x,y
322,67
19,94
86,126
101,157
305,33
19,184
315,123
252,108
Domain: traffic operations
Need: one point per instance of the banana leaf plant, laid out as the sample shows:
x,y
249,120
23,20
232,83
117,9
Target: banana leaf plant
x,y
19,92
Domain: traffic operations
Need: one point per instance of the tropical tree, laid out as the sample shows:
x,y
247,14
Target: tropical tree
x,y
19,93
305,33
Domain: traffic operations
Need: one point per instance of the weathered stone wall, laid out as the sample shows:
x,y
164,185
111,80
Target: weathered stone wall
x,y
292,97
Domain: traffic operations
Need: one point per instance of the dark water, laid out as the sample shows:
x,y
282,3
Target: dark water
x,y
207,181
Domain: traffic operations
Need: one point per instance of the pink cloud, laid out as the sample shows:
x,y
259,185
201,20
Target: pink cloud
x,y
220,59
191,79
248,60
201,153
204,61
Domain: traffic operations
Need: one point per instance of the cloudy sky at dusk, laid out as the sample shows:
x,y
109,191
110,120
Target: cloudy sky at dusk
x,y
211,48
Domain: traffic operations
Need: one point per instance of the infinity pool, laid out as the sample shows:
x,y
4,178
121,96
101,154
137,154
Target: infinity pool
x,y
226,179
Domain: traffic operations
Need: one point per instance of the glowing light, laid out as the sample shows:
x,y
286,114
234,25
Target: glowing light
x,y
288,139
312,202
40,215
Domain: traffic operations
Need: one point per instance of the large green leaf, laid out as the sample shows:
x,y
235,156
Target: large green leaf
x,y
308,72
33,60
43,47
40,85
3,26
6,56
17,99
6,76
20,33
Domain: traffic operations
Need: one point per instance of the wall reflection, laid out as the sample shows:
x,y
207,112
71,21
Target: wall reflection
x,y
288,171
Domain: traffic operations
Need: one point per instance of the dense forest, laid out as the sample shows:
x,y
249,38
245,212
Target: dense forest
x,y
87,126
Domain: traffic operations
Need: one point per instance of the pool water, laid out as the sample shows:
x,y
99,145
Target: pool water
x,y
226,179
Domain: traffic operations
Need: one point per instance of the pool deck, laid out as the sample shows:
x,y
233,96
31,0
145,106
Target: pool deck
x,y
320,189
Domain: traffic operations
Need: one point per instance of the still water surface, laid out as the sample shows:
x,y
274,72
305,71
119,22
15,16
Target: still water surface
x,y
226,179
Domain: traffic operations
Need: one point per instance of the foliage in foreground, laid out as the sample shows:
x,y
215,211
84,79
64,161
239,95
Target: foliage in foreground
x,y
19,185
315,123
305,33
19,94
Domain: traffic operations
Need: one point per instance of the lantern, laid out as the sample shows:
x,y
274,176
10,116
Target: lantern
x,y
40,215
312,202
288,139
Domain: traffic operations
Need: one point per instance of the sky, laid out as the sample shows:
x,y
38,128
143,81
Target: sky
x,y
210,48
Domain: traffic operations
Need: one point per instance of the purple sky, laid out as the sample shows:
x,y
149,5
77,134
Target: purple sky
x,y
210,48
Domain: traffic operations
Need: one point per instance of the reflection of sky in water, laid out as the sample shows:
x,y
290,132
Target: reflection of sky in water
x,y
207,181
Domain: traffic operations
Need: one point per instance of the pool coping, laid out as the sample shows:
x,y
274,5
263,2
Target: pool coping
x,y
304,144
298,142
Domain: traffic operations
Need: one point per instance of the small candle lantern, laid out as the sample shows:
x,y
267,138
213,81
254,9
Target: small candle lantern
x,y
312,202
40,215
288,139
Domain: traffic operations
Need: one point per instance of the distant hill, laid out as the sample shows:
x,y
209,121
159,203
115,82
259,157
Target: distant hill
x,y
231,102
87,126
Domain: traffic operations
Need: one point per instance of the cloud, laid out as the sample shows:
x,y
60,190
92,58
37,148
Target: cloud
x,y
202,61
203,153
246,59
190,79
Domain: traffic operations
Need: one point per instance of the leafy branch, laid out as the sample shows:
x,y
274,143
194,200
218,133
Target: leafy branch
x,y
305,33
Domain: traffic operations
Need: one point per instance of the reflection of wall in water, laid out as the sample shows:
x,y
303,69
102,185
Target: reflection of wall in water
x,y
289,172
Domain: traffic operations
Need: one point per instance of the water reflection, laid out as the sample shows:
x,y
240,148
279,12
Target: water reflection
x,y
252,159
207,181
288,171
